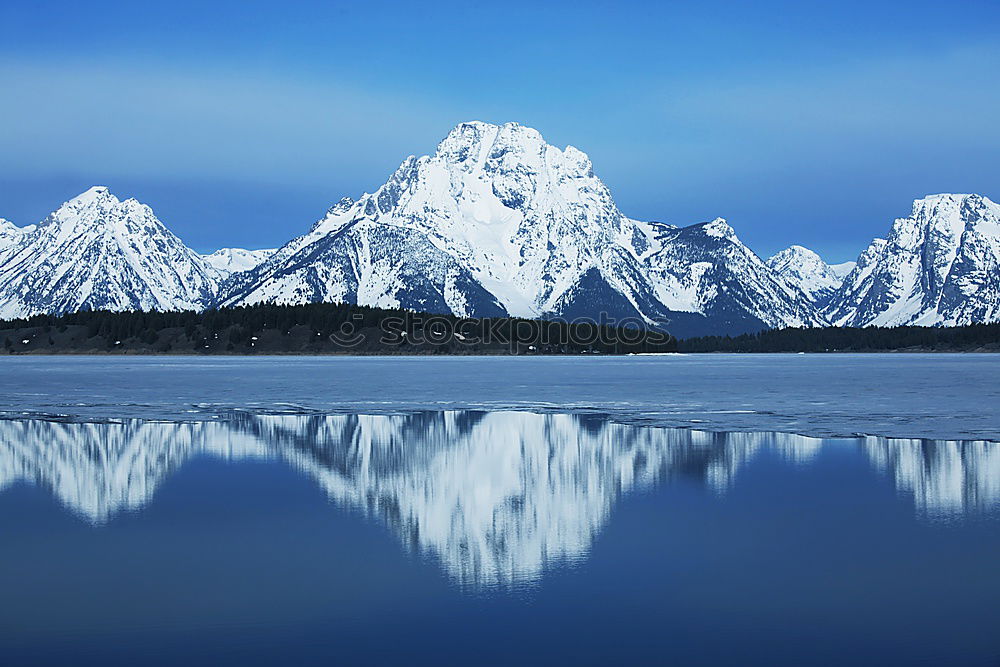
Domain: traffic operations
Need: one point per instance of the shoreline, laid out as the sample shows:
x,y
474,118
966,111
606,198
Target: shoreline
x,y
476,353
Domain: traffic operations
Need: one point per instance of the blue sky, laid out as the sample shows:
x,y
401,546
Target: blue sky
x,y
241,122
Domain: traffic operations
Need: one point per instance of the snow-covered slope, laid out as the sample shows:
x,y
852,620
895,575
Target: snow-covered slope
x,y
805,270
705,268
842,270
10,234
227,261
96,252
939,266
497,221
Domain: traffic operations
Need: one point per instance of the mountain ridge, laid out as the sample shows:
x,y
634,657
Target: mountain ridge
x,y
495,223
498,222
96,251
938,266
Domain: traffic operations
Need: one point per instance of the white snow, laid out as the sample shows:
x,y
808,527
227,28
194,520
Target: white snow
x,y
11,235
843,269
496,221
939,266
527,221
96,251
227,261
804,269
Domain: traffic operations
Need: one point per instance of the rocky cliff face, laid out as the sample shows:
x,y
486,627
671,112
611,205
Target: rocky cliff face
x,y
939,266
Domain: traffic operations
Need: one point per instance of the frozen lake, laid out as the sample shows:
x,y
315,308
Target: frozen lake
x,y
502,511
943,396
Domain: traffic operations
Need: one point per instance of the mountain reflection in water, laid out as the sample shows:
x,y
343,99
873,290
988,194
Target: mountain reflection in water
x,y
495,497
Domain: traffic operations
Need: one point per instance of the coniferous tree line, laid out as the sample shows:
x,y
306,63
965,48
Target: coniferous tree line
x,y
320,328
328,328
985,337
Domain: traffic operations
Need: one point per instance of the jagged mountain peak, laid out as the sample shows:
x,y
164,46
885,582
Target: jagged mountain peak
x,y
799,251
341,207
96,197
948,214
99,252
479,146
799,255
98,207
705,269
797,258
93,193
499,206
801,267
939,266
718,228
9,229
476,134
497,221
950,210
11,234
946,198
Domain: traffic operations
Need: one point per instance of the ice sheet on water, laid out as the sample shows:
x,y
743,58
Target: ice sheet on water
x,y
940,396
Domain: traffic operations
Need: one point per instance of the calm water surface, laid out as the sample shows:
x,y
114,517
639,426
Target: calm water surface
x,y
280,534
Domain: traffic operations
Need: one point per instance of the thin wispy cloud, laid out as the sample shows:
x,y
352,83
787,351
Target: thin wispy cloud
x,y
786,119
160,122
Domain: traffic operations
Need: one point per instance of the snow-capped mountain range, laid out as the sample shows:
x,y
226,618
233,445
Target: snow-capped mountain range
x,y
498,222
939,266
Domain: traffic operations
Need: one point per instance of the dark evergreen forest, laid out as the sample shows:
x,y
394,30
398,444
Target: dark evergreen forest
x,y
320,328
324,328
976,337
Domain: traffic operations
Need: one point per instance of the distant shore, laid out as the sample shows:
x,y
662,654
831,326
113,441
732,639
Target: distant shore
x,y
316,330
971,338
347,330
412,351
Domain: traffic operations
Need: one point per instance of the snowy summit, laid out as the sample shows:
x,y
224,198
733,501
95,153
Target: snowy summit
x,y
499,222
